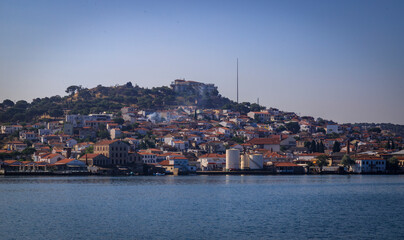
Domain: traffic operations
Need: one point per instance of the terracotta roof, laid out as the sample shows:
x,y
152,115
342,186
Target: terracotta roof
x,y
165,163
264,141
179,157
52,155
9,161
89,156
369,158
213,155
63,161
106,142
286,164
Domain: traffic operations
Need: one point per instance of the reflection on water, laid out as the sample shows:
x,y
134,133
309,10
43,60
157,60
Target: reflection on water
x,y
202,207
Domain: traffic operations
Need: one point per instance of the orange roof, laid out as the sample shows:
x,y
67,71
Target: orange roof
x,y
89,156
173,158
268,141
9,161
52,155
165,163
106,142
63,161
213,155
368,158
5,151
274,155
286,164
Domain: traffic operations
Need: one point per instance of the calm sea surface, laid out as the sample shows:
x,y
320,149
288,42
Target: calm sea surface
x,y
202,207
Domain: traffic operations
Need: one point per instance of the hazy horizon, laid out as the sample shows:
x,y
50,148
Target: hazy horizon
x,y
339,60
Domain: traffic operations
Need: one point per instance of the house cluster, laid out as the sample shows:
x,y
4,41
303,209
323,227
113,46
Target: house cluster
x,y
188,139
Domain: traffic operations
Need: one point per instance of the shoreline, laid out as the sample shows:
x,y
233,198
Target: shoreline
x,y
207,173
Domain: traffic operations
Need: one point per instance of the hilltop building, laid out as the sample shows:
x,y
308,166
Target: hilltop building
x,y
180,86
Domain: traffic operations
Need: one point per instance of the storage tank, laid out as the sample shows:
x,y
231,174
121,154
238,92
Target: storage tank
x,y
244,162
232,159
256,161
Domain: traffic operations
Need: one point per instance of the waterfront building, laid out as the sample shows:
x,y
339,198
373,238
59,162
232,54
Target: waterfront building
x,y
369,164
180,163
212,161
287,167
69,166
91,159
115,150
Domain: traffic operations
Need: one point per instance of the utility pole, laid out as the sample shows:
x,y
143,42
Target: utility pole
x,y
237,80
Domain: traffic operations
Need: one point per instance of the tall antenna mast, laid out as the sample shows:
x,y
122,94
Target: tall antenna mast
x,y
237,80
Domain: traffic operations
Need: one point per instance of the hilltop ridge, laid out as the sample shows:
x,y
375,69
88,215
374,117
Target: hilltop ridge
x,y
81,100
99,99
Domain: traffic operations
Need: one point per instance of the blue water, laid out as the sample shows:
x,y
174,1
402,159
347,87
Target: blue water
x,y
202,207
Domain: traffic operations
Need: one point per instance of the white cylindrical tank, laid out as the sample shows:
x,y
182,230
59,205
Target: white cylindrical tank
x,y
256,161
232,159
244,161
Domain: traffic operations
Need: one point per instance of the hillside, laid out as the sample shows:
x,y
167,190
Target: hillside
x,y
111,99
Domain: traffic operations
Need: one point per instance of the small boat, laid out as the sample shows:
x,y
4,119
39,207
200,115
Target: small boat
x,y
159,174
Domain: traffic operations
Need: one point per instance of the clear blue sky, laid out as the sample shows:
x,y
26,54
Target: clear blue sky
x,y
340,60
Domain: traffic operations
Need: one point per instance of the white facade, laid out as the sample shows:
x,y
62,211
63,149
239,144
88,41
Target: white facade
x,y
115,133
256,161
264,116
333,129
212,162
149,157
80,120
370,165
232,159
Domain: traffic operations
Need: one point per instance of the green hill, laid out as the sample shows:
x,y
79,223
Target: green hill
x,y
111,99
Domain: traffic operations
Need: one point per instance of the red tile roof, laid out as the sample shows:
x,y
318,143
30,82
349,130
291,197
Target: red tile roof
x,y
213,155
264,141
286,164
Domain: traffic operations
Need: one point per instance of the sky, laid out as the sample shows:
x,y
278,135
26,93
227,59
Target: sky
x,y
339,60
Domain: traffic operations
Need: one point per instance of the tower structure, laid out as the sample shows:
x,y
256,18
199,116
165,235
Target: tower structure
x,y
237,80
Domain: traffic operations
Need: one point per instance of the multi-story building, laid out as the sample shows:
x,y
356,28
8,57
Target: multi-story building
x,y
80,120
370,164
117,151
262,116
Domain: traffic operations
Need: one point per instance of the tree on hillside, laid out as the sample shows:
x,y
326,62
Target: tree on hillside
x,y
103,133
322,161
73,89
387,145
336,147
281,128
392,164
309,165
313,146
120,121
255,107
56,113
375,130
85,94
129,85
8,103
22,104
347,161
320,147
294,127
88,150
